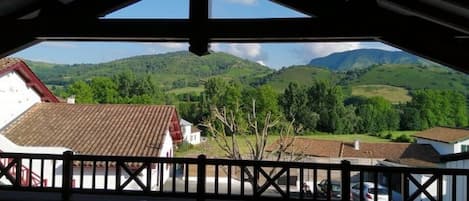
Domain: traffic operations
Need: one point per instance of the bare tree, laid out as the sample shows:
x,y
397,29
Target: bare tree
x,y
227,131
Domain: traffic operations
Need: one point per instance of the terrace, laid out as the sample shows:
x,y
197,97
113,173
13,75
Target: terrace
x,y
436,30
220,179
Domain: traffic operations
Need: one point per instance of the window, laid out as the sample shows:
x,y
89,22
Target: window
x,y
464,148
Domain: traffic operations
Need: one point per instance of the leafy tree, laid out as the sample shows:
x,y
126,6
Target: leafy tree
x,y
82,91
104,90
377,114
327,100
125,83
437,108
294,104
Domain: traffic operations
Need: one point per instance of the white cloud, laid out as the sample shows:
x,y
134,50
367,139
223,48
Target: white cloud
x,y
250,51
59,44
323,49
261,62
245,50
172,45
244,2
156,48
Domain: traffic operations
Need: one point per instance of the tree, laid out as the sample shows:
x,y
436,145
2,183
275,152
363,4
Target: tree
x,y
376,114
82,92
327,100
436,108
226,131
294,104
104,90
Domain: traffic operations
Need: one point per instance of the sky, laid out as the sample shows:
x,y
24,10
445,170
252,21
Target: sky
x,y
275,55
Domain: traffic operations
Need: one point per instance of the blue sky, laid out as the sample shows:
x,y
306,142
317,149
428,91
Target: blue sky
x,y
275,55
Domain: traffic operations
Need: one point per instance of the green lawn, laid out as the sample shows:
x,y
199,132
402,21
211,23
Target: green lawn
x,y
390,93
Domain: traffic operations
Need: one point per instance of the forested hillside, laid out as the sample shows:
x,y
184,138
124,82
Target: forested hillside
x,y
170,70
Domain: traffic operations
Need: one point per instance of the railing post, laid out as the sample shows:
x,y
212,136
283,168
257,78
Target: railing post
x,y
201,165
346,168
67,175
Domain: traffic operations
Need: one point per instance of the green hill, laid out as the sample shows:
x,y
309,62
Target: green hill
x,y
171,70
414,77
363,58
305,75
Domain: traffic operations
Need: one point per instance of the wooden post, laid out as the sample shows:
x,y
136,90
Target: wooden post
x,y
345,180
201,165
67,174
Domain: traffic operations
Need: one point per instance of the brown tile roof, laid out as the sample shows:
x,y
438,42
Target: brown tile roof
x,y
404,153
122,130
7,62
446,135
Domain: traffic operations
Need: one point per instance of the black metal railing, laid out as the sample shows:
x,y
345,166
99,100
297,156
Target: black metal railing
x,y
204,178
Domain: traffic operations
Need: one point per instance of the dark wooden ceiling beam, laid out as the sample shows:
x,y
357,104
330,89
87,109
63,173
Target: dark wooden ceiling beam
x,y
218,30
332,8
446,14
199,14
450,52
84,8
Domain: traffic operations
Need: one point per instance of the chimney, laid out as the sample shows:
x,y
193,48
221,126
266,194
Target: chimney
x,y
71,100
356,144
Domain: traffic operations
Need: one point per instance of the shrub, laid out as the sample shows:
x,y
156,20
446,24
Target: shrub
x,y
403,138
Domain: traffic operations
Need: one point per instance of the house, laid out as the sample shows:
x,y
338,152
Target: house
x,y
190,132
445,140
20,89
452,145
362,153
42,125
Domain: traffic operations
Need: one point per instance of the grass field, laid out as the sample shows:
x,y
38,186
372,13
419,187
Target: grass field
x,y
390,93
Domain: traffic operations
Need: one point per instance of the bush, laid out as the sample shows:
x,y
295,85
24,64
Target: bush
x,y
388,136
185,146
403,138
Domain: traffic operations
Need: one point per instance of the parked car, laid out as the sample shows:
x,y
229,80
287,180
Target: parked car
x,y
369,192
335,188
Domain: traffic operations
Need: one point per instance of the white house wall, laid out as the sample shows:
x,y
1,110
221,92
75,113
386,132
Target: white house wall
x,y
166,151
15,97
461,181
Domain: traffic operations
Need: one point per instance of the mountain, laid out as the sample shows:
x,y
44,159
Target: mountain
x,y
363,58
305,75
171,70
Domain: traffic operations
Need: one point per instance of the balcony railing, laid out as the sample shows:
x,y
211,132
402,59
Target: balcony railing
x,y
221,179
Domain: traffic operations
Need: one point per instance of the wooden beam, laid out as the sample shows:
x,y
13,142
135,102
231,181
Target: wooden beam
x,y
199,13
442,13
450,52
217,30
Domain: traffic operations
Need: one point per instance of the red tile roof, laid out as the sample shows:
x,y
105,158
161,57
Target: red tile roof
x,y
7,62
443,134
14,64
120,130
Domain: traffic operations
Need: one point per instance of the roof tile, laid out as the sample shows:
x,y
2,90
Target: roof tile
x,y
443,134
122,130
